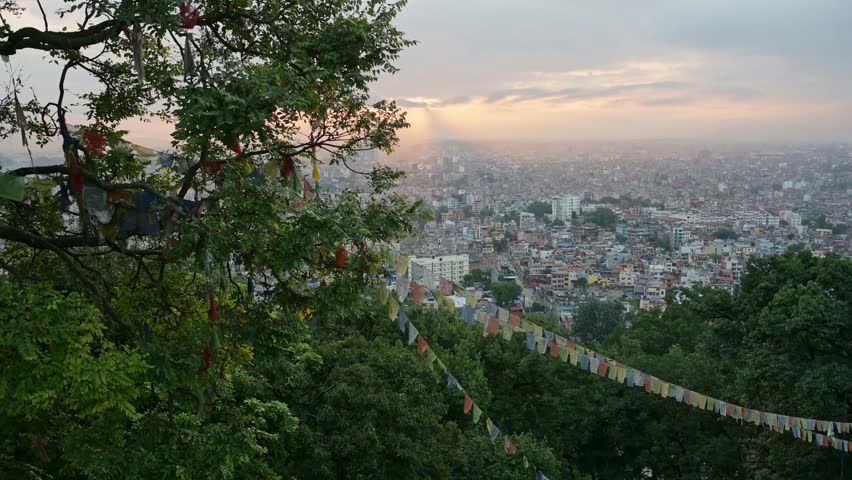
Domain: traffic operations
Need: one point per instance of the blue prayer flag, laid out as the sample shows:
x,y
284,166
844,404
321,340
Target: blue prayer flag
x,y
403,319
530,341
584,362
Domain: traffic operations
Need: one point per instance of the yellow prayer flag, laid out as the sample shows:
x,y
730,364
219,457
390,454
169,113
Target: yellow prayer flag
x,y
272,169
393,308
564,353
655,385
664,389
527,326
316,173
471,299
477,412
574,356
612,372
702,402
304,314
539,332
402,264
711,404
507,331
621,374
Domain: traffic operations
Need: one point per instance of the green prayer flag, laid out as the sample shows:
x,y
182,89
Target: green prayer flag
x,y
477,412
12,187
393,308
431,357
507,331
526,462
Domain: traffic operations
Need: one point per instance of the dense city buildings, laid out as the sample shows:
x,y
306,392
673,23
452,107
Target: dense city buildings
x,y
623,221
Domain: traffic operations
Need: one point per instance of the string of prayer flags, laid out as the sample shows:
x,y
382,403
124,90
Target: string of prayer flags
x,y
12,187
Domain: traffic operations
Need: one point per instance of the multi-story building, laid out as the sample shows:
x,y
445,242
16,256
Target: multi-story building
x,y
527,221
452,267
562,206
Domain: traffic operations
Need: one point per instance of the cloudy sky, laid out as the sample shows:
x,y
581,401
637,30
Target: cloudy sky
x,y
626,69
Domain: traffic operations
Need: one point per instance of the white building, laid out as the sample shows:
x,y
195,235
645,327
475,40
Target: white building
x,y
562,206
452,267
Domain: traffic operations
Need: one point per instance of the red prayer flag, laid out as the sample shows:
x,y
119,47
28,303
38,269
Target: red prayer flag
x,y
418,293
237,148
421,345
189,15
648,385
514,320
309,190
602,368
206,359
342,257
554,349
729,410
570,344
493,325
468,403
511,449
446,287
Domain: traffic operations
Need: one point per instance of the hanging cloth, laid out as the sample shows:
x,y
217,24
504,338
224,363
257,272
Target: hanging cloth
x,y
21,119
188,59
137,40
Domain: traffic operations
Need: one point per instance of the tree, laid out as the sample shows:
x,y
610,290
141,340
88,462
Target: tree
x,y
157,305
580,283
595,320
725,234
602,217
486,212
540,209
477,276
501,244
505,292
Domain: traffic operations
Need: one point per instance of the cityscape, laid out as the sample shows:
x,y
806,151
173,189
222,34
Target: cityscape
x,y
625,221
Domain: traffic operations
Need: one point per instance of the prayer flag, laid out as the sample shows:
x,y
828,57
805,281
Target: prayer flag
x,y
678,393
514,320
468,403
649,384
638,378
526,462
702,401
421,345
403,320
451,381
503,315
393,308
445,287
538,331
431,357
467,314
493,431
402,284
621,374
594,364
573,356
530,341
527,326
602,368
510,447
541,345
413,334
507,331
563,353
629,378
477,412
315,173
584,362
401,264
664,389
548,335
470,297
493,327
11,187
554,349
418,293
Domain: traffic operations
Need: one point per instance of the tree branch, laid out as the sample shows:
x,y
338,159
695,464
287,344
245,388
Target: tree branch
x,y
30,37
